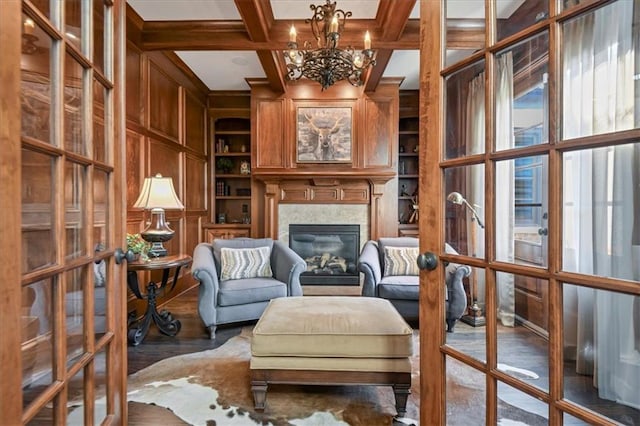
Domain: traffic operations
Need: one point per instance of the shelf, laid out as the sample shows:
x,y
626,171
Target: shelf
x,y
232,176
408,132
411,176
408,154
233,197
232,132
233,154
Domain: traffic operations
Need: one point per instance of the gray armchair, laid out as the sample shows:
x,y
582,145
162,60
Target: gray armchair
x,y
222,301
403,290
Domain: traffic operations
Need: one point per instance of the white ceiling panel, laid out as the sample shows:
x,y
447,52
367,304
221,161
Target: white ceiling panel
x,y
299,9
178,10
405,63
223,70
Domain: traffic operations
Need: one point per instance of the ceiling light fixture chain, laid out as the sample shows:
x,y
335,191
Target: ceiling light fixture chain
x,y
328,64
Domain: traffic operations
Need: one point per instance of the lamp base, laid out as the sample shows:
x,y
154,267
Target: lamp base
x,y
157,250
474,317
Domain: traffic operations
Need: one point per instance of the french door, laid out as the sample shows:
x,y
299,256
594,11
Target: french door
x,y
529,113
63,346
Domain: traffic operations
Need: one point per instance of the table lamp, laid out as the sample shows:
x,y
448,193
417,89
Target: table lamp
x,y
158,194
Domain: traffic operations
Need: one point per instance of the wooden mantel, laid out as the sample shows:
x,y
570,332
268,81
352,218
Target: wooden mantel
x,y
353,188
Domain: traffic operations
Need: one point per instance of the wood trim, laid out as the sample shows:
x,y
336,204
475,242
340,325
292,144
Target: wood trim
x,y
10,197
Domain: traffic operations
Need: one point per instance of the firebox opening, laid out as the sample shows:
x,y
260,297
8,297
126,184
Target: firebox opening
x,y
331,253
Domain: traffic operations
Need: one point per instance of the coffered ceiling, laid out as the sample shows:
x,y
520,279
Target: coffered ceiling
x,y
225,42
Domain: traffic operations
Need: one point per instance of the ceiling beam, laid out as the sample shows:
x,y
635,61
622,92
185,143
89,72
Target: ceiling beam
x,y
258,18
233,35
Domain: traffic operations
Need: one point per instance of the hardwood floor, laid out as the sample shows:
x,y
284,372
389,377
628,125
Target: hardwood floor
x,y
526,351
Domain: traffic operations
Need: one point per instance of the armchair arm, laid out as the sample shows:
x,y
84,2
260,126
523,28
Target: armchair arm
x,y
203,270
369,265
287,267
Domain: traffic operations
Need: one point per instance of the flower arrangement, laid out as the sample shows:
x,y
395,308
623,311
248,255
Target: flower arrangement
x,y
138,246
224,164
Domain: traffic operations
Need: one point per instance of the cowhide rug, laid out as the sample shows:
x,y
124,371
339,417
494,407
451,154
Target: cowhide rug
x,y
213,388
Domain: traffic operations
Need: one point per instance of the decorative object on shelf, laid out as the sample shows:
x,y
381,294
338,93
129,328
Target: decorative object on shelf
x,y
414,210
416,148
224,164
401,168
220,145
246,219
138,246
222,218
324,134
401,149
243,148
403,191
327,64
245,168
158,194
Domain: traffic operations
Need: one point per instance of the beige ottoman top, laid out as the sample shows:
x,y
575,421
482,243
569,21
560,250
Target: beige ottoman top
x,y
332,326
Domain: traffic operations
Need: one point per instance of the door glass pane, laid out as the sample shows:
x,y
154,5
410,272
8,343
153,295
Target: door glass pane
x,y
35,89
469,332
569,420
98,34
522,94
601,351
520,408
466,390
514,16
523,338
521,216
464,218
37,338
101,375
599,71
600,211
99,92
74,309
73,123
73,21
465,112
38,213
76,395
465,29
100,209
42,6
74,202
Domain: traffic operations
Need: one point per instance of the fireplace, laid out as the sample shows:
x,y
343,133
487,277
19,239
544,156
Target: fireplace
x,y
331,253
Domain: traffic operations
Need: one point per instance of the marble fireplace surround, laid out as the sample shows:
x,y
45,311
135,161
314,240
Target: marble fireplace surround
x,y
353,199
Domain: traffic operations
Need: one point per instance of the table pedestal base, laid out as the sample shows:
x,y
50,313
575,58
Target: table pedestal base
x,y
163,320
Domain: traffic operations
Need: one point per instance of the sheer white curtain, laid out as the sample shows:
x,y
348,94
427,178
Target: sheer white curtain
x,y
504,191
474,191
600,212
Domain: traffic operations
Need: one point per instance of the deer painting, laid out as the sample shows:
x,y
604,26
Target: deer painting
x,y
323,141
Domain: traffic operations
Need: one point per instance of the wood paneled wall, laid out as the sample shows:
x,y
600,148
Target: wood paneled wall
x,y
166,133
374,146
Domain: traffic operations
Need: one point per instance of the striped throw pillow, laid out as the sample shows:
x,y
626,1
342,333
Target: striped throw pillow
x,y
245,263
400,261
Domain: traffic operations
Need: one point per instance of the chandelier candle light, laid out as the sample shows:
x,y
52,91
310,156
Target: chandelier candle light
x,y
327,64
158,194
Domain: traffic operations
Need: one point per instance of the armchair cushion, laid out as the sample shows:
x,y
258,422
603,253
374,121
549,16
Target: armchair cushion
x,y
245,263
250,290
400,261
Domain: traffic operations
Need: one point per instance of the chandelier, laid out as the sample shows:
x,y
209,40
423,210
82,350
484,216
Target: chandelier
x,y
327,64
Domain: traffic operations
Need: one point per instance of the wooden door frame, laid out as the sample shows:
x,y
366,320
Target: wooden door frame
x,y
431,312
10,198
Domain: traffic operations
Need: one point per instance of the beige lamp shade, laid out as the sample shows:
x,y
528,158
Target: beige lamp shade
x,y
158,192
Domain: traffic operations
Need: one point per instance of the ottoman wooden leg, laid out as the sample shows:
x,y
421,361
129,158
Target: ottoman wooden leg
x,y
402,392
259,389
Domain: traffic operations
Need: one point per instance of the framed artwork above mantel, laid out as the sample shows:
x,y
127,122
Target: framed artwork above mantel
x,y
324,134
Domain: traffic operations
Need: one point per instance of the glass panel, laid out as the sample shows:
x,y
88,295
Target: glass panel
x,y
568,4
73,21
522,94
514,16
521,210
466,394
569,420
465,112
464,220
74,203
523,344
520,408
469,335
100,209
600,88
601,351
465,29
98,34
42,6
35,87
38,212
599,229
74,309
73,123
37,339
101,375
76,395
99,147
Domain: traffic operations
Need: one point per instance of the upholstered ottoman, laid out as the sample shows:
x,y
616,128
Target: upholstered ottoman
x,y
331,340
